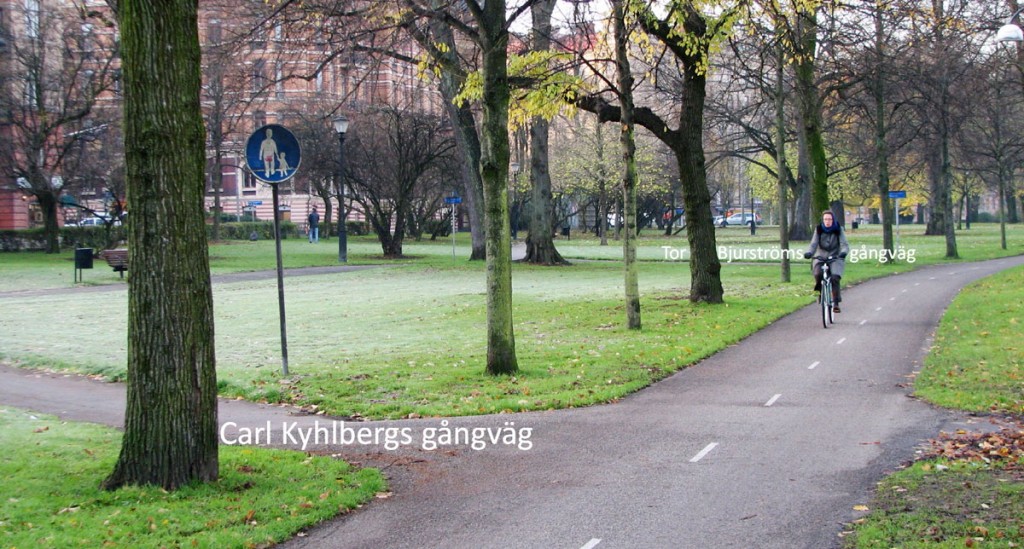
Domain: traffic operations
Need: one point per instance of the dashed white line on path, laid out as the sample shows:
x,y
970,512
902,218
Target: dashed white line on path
x,y
815,365
840,342
863,322
591,544
904,290
772,400
878,309
700,455
892,299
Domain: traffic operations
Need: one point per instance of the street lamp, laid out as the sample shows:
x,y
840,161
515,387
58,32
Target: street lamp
x,y
341,126
1007,33
1010,32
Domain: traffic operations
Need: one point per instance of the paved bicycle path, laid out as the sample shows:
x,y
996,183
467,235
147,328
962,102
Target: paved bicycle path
x,y
770,443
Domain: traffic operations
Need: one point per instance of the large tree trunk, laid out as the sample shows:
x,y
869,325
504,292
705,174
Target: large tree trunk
x,y
881,137
780,160
501,345
48,205
540,243
705,267
812,151
170,436
628,143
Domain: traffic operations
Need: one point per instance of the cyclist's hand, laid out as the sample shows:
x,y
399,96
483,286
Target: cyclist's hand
x,y
842,255
808,255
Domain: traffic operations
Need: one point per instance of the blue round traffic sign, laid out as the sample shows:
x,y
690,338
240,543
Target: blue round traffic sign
x,y
272,153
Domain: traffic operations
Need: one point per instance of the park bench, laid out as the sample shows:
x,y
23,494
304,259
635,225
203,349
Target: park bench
x,y
117,259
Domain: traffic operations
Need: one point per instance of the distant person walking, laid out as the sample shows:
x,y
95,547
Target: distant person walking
x,y
314,226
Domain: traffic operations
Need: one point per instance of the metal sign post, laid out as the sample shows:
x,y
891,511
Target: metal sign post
x,y
453,201
896,196
273,155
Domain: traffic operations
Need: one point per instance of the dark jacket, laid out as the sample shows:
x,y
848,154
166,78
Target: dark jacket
x,y
825,243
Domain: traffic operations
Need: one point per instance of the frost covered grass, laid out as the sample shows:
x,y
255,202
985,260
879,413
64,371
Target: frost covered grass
x,y
410,339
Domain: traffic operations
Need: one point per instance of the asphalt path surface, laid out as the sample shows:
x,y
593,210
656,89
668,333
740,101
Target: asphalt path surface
x,y
769,443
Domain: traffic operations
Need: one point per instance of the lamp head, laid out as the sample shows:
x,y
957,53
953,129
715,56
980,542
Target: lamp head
x,y
340,124
1010,33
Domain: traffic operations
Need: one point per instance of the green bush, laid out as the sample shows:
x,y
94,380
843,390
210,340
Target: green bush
x,y
437,227
264,230
99,238
354,228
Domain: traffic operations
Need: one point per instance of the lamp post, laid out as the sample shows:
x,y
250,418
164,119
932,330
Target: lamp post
x,y
341,126
1007,33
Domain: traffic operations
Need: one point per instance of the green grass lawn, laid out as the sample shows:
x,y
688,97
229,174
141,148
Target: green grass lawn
x,y
976,364
51,497
410,338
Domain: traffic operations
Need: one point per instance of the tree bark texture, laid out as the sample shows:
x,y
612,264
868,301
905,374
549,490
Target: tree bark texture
x,y
628,143
540,242
705,267
810,113
501,346
882,138
780,162
170,437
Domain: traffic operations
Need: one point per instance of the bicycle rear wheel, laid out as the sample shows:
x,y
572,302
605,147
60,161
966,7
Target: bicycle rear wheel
x,y
826,305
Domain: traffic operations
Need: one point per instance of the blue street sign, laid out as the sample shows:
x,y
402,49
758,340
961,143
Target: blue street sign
x,y
255,202
453,200
272,153
897,194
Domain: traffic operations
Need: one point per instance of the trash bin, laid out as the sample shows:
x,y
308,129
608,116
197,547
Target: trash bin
x,y
565,231
83,258
855,224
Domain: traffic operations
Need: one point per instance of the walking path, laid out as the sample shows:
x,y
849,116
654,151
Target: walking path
x,y
770,443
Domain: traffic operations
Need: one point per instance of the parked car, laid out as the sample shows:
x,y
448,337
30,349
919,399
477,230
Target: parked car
x,y
94,221
717,220
741,219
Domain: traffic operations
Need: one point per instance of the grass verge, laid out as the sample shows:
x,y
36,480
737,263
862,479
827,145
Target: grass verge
x,y
968,491
51,497
977,361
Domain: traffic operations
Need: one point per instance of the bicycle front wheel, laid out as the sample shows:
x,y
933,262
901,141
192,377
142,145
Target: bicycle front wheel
x,y
826,306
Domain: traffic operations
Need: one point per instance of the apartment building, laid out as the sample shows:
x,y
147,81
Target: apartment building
x,y
257,71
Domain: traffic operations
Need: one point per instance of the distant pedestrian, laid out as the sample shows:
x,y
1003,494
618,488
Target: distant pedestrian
x,y
314,226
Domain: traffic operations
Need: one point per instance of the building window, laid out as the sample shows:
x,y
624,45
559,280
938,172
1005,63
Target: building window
x,y
213,32
259,119
259,39
258,76
279,81
30,90
32,18
320,81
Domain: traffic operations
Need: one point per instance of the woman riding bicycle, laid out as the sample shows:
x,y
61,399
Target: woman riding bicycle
x,y
829,241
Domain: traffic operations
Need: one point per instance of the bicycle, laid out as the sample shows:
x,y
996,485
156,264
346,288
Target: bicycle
x,y
825,298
